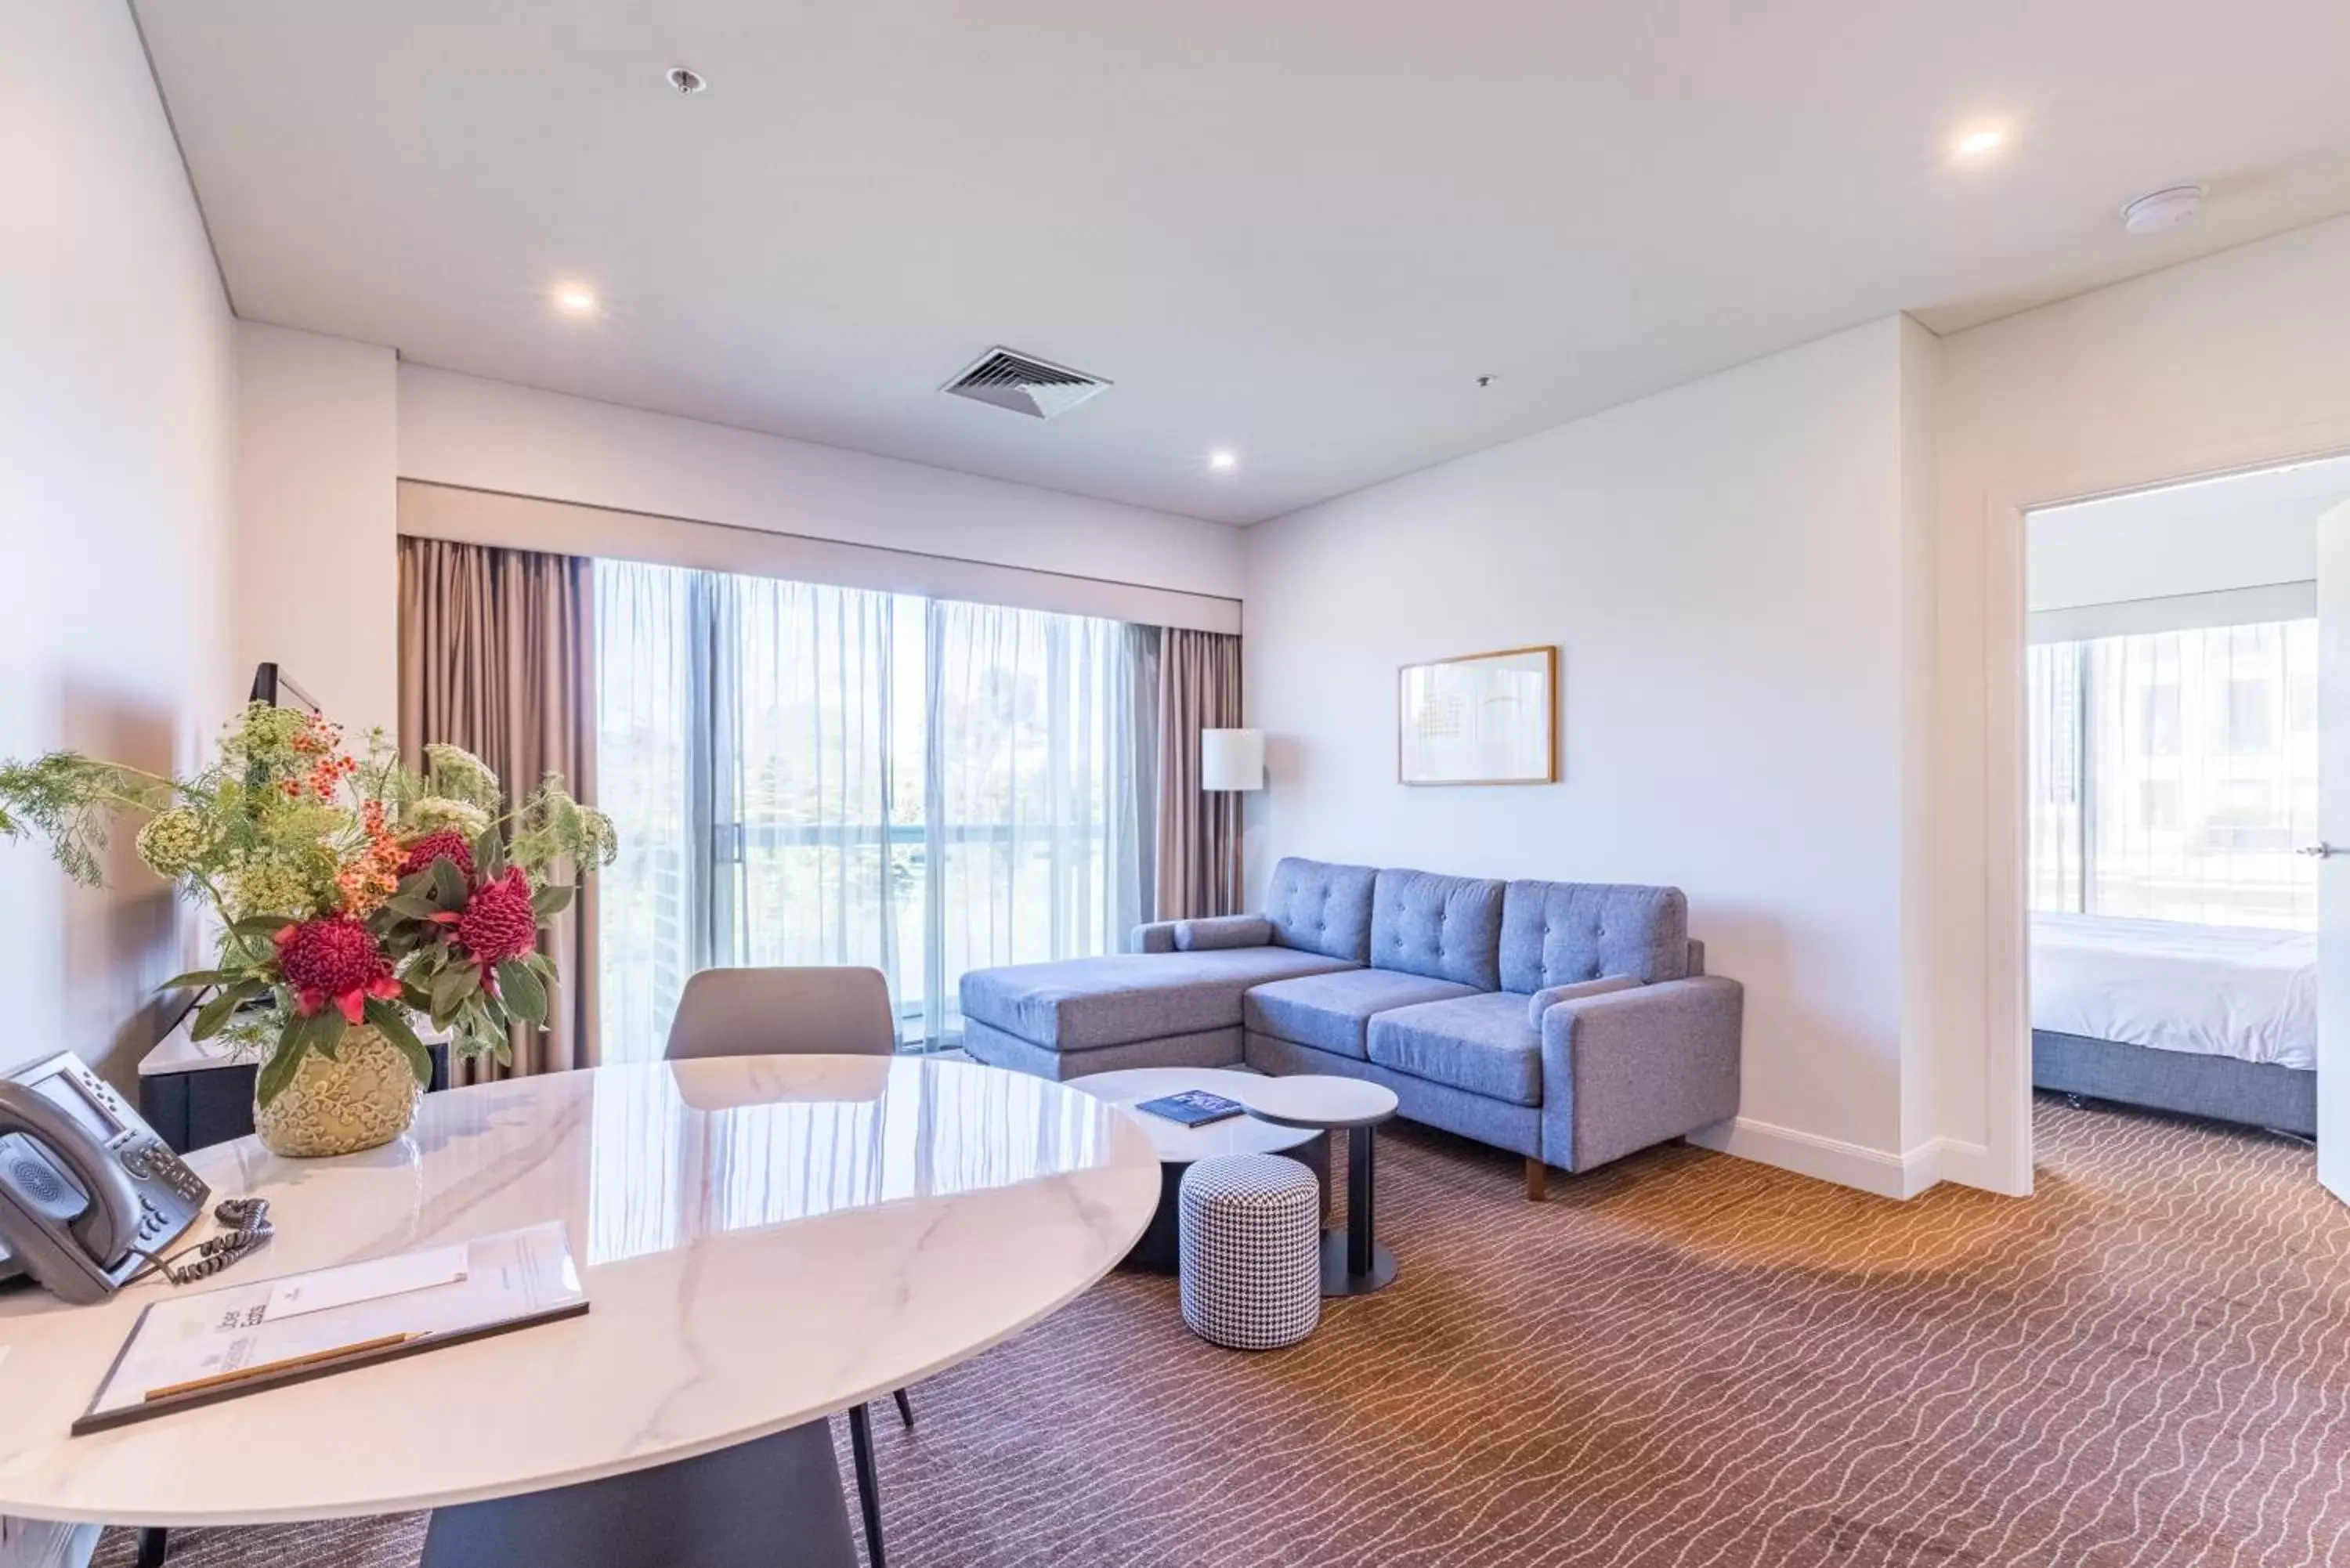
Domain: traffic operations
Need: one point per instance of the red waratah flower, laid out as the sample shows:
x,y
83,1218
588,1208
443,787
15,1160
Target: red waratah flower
x,y
498,923
335,960
444,844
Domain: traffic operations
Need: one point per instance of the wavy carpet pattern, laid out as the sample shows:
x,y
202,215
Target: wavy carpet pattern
x,y
1686,1361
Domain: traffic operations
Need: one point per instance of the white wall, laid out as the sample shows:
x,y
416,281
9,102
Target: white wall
x,y
2244,531
1738,573
2231,362
117,409
488,435
318,440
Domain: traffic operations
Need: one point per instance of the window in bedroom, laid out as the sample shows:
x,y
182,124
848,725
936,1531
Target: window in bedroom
x,y
809,774
2174,773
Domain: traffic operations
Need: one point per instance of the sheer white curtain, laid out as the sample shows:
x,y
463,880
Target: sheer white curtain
x,y
811,868
806,774
1029,849
2051,674
652,901
2173,774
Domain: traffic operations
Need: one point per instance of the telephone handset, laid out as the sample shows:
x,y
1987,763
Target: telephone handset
x,y
89,1194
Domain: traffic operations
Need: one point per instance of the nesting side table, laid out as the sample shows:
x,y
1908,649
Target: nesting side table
x,y
1353,1261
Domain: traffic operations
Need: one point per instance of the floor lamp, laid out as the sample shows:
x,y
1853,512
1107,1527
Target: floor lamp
x,y
1232,762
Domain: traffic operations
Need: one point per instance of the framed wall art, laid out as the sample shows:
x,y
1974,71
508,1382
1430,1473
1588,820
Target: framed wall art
x,y
1480,719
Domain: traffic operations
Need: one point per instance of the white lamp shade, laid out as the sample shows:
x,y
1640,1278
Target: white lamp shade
x,y
1231,759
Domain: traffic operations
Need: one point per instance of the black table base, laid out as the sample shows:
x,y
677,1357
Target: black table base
x,y
1353,1263
773,1502
1341,1277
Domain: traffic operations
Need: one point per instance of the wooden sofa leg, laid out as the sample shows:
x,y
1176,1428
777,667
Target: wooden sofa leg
x,y
1537,1180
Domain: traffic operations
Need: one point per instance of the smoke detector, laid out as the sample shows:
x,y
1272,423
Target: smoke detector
x,y
2164,209
1024,384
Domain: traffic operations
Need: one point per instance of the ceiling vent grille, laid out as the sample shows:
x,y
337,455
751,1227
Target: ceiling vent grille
x,y
1023,384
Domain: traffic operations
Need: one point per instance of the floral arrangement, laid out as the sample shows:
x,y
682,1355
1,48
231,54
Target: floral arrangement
x,y
355,892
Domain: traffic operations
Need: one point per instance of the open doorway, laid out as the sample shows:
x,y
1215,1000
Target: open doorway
x,y
2174,698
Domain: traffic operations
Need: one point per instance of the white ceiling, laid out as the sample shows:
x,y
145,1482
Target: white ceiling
x,y
1298,230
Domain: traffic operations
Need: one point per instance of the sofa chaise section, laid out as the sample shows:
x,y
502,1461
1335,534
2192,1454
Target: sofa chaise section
x,y
1178,999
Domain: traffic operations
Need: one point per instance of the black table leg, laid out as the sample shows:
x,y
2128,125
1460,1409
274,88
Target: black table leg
x,y
869,1482
152,1545
1353,1261
775,1500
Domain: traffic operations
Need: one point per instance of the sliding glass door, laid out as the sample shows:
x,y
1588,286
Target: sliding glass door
x,y
806,774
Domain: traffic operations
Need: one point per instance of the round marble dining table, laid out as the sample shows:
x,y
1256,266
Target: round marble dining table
x,y
765,1242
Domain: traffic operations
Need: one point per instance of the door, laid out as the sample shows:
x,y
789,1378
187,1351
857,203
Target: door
x,y
2334,847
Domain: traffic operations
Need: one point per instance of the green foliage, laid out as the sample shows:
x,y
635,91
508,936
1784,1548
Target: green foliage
x,y
69,799
458,774
523,993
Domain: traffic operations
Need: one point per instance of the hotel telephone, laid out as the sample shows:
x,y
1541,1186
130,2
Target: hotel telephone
x,y
88,1195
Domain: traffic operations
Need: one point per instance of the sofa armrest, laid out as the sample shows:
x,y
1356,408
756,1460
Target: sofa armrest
x,y
1635,1067
1153,936
1215,931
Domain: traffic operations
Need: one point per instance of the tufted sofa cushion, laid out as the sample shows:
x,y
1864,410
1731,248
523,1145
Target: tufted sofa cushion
x,y
1560,933
1445,928
1318,908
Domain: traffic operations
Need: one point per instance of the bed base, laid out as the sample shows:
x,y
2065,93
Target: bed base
x,y
2253,1093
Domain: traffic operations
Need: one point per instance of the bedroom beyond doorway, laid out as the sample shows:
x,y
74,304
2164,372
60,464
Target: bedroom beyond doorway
x,y
2175,677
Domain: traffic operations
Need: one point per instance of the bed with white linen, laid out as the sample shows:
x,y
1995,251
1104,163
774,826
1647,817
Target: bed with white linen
x,y
2212,1021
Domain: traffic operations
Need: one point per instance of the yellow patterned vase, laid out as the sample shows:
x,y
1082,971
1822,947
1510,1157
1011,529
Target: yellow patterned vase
x,y
365,1097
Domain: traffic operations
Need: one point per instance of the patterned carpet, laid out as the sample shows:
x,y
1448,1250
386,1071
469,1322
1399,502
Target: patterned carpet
x,y
1684,1360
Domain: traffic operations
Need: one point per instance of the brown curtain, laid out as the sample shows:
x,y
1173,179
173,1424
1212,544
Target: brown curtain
x,y
496,650
1199,863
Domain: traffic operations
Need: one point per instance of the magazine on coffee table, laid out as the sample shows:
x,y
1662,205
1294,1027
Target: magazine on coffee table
x,y
1194,1107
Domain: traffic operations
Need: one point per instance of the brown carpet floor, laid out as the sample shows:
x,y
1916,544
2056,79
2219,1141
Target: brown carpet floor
x,y
1684,1360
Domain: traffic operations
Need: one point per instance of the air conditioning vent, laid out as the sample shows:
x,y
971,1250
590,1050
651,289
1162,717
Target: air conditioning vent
x,y
1025,385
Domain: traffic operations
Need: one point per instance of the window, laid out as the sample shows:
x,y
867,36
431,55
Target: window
x,y
2193,757
808,775
2250,730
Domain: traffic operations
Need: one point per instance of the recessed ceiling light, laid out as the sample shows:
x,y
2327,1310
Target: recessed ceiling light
x,y
1976,144
685,81
573,300
1223,461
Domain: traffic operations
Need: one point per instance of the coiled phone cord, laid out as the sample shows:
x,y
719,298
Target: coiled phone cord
x,y
248,1227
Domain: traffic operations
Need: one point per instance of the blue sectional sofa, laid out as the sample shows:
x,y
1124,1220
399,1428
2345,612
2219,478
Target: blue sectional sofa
x,y
1570,1023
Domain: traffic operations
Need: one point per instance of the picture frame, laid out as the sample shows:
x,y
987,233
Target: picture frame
x,y
1478,718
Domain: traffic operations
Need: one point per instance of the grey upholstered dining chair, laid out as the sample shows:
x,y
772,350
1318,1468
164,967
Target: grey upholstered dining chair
x,y
798,1012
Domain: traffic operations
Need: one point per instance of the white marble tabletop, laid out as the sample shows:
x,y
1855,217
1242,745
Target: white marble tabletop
x,y
765,1242
1179,1144
1318,1100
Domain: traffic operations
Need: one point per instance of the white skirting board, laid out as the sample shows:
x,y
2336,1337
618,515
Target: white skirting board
x,y
1881,1171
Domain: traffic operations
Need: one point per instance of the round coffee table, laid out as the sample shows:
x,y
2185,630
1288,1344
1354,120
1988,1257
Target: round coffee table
x,y
1353,1263
1178,1145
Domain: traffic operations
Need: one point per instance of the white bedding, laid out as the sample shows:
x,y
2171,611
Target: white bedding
x,y
2219,991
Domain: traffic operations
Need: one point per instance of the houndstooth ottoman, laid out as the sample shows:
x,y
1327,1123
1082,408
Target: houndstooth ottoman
x,y
1250,1233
